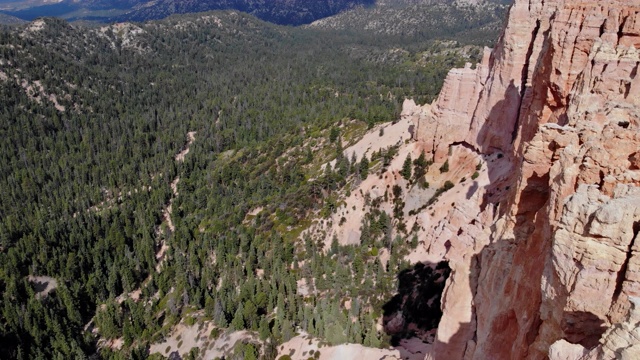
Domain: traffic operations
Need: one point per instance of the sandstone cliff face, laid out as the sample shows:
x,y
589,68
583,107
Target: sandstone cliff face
x,y
543,244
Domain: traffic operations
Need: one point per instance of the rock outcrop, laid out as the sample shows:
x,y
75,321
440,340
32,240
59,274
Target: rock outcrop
x,y
543,245
537,211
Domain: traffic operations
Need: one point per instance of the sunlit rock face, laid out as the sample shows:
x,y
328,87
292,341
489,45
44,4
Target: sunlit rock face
x,y
542,247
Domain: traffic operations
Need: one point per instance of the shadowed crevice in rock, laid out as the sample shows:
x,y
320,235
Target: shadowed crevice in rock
x,y
524,76
472,190
502,115
584,328
465,145
537,194
415,309
623,270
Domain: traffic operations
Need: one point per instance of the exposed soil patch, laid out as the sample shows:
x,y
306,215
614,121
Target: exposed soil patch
x,y
203,335
42,285
303,347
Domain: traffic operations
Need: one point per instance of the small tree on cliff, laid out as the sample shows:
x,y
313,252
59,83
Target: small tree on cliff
x,y
406,168
445,167
363,168
420,166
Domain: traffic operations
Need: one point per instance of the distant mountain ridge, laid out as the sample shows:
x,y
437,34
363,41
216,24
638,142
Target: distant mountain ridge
x,y
424,18
10,20
283,12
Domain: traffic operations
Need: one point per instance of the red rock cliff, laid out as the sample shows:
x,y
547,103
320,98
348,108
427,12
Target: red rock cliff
x,y
544,252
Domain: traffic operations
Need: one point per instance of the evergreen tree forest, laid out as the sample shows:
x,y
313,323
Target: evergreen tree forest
x,y
91,120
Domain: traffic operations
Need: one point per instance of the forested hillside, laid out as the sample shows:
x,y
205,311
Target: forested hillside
x,y
129,239
477,21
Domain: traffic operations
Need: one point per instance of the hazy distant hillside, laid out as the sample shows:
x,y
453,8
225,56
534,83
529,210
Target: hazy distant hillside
x,y
285,12
424,18
10,20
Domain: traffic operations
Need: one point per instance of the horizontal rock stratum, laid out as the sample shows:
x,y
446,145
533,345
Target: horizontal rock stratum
x,y
545,255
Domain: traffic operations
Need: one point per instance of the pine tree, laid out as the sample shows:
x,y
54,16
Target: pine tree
x,y
263,329
363,168
238,319
333,134
420,166
335,246
406,168
287,330
353,163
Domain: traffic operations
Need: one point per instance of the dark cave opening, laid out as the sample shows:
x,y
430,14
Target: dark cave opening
x,y
415,310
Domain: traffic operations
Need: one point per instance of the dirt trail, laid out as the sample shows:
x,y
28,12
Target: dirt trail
x,y
191,137
51,283
166,212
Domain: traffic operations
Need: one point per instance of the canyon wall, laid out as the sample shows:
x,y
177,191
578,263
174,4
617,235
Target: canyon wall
x,y
542,246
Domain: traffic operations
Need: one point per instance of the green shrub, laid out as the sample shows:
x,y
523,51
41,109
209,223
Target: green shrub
x,y
374,251
475,175
445,167
448,185
215,333
333,134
